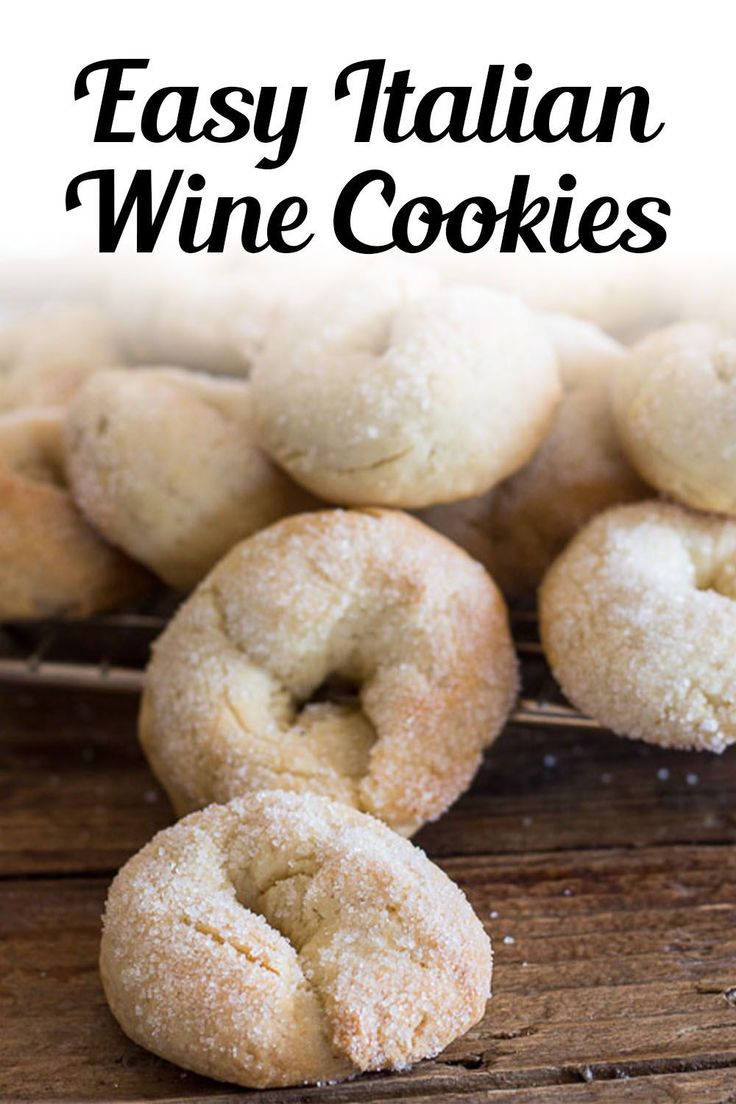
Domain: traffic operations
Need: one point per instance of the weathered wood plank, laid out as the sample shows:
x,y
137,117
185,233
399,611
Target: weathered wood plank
x,y
704,1087
76,795
618,968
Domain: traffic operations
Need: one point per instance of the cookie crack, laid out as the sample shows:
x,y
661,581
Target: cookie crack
x,y
313,866
212,933
383,462
296,456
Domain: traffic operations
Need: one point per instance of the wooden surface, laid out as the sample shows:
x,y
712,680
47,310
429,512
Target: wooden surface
x,y
604,870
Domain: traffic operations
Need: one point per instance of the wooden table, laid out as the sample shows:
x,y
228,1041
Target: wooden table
x,y
604,870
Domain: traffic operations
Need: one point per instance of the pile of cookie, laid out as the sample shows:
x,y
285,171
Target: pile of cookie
x,y
351,505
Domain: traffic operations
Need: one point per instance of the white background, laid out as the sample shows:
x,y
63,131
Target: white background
x,y
681,53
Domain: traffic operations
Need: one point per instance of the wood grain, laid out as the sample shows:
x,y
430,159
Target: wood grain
x,y
619,965
77,796
604,870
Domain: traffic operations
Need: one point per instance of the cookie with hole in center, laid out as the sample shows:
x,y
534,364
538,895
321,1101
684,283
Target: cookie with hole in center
x,y
374,598
285,939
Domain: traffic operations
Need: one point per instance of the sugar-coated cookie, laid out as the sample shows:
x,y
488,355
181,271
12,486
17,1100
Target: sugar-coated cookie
x,y
675,405
404,396
285,939
395,613
164,463
638,621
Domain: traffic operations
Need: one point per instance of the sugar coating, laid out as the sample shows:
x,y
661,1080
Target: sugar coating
x,y
372,596
401,394
285,938
675,406
518,528
51,561
638,621
164,464
47,355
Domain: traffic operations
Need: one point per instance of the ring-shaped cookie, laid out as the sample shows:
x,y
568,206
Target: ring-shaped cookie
x,y
638,621
284,939
410,399
371,598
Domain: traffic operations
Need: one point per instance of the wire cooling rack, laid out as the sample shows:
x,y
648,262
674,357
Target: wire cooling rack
x,y
111,652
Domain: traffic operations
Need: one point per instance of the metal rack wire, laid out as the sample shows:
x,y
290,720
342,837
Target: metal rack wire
x,y
110,653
